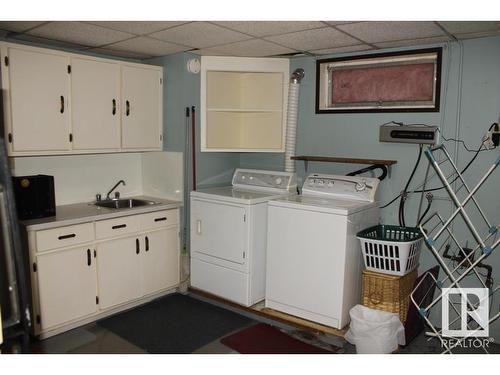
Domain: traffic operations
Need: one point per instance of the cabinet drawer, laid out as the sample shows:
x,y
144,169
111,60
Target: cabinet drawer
x,y
64,236
159,219
116,227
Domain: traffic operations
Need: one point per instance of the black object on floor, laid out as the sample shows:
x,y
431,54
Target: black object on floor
x,y
176,324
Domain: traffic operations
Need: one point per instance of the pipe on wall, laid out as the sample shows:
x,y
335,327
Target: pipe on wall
x,y
291,122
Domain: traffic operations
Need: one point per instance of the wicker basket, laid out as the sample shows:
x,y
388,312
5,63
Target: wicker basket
x,y
387,292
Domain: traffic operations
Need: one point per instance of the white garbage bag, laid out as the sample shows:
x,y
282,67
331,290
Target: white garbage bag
x,y
374,331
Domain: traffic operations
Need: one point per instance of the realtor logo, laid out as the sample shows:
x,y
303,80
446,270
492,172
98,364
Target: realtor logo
x,y
471,304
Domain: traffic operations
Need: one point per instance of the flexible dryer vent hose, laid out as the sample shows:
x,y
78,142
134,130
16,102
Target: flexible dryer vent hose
x,y
292,114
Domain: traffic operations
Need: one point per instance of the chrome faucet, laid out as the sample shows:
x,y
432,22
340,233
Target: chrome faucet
x,y
117,195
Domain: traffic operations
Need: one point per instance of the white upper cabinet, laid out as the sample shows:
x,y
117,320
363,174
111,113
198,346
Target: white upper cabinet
x,y
243,104
95,94
39,86
64,103
141,108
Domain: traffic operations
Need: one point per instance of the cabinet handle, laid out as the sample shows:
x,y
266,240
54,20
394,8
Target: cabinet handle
x,y
198,226
62,104
137,246
119,226
147,243
127,107
114,107
66,236
89,258
160,219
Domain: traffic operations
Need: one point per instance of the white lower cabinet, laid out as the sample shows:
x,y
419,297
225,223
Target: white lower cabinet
x,y
119,277
67,285
101,273
160,267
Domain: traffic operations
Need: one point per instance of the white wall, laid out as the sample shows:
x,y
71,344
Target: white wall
x,y
162,175
78,178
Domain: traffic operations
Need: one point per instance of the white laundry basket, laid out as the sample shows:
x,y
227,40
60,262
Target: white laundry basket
x,y
374,331
391,249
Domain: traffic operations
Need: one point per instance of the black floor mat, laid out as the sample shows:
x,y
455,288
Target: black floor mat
x,y
174,324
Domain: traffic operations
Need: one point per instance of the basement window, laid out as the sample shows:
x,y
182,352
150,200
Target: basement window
x,y
406,81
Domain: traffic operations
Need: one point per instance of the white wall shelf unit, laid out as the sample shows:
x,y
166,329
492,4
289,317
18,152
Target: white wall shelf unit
x,y
243,104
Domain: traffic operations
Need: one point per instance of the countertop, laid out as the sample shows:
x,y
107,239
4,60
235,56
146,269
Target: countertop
x,y
84,212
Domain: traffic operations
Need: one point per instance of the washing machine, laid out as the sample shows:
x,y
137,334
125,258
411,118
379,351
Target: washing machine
x,y
229,234
314,262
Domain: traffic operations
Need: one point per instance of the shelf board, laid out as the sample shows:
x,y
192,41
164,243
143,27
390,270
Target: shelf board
x,y
333,159
251,110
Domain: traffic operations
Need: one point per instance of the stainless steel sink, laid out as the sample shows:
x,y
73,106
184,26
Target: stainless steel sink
x,y
124,203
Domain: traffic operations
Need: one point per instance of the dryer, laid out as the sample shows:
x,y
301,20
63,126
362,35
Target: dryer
x,y
313,256
229,233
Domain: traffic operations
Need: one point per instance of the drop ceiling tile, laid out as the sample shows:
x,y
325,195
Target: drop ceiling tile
x,y
328,51
314,39
19,26
267,28
335,23
413,42
147,46
251,48
80,33
385,31
137,27
44,41
208,52
199,35
464,27
117,53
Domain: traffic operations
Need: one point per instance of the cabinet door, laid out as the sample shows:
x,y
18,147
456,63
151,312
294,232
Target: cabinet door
x,y
39,92
118,276
219,230
95,96
160,260
141,108
66,285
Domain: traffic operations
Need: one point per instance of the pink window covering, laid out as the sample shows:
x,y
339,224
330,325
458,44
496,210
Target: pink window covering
x,y
397,83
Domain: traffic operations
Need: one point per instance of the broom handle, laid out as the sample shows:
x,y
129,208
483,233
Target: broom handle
x,y
193,148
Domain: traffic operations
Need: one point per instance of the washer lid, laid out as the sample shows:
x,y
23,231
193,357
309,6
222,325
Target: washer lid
x,y
242,196
320,204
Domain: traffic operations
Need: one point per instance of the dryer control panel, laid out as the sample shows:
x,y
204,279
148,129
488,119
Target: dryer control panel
x,y
264,180
341,187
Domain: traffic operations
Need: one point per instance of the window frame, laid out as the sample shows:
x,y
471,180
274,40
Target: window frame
x,y
323,87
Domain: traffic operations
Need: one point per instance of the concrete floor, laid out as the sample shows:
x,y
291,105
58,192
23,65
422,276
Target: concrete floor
x,y
94,339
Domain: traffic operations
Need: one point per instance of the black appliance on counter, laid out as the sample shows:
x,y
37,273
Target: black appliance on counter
x,y
34,196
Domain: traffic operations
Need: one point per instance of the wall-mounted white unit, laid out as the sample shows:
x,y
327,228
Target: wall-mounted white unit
x,y
56,102
243,104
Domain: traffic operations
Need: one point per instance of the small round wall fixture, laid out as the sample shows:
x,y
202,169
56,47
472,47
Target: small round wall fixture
x,y
193,66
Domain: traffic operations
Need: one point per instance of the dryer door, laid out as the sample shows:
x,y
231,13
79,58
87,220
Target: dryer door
x,y
219,230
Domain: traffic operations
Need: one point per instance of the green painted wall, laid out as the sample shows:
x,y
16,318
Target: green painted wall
x,y
356,135
181,90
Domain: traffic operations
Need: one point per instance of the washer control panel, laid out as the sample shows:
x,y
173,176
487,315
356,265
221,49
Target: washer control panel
x,y
341,187
262,179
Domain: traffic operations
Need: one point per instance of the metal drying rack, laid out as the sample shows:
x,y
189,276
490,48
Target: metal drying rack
x,y
439,237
